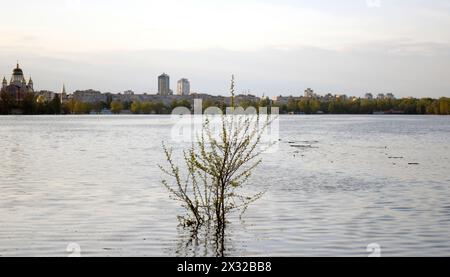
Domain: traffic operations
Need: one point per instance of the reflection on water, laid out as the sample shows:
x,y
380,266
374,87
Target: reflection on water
x,y
336,185
203,242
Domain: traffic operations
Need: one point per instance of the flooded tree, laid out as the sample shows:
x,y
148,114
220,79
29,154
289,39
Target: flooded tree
x,y
217,167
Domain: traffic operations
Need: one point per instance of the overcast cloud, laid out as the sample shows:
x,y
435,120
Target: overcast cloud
x,y
273,47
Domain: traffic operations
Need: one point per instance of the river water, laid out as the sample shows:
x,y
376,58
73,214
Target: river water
x,y
336,185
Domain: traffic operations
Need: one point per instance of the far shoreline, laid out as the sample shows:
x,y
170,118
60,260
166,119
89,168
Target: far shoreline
x,y
149,115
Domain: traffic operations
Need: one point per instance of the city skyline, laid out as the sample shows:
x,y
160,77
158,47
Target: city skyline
x,y
183,89
273,47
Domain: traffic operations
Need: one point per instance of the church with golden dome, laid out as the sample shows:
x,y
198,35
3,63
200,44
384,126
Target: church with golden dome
x,y
18,87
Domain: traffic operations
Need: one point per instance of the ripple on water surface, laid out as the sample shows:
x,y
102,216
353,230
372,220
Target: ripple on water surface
x,y
336,185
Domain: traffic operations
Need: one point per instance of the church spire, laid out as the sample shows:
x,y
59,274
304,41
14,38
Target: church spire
x,y
4,83
30,83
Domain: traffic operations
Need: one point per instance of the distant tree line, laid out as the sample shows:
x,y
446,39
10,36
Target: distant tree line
x,y
350,105
365,106
150,107
32,104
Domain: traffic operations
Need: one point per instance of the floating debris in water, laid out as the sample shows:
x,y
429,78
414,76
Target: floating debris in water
x,y
304,142
396,157
303,146
413,163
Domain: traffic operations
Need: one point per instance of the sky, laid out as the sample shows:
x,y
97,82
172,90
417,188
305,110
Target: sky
x,y
273,47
